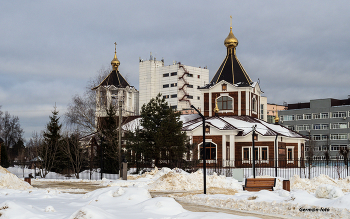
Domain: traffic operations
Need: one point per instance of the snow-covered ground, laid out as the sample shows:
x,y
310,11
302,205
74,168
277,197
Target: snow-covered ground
x,y
321,197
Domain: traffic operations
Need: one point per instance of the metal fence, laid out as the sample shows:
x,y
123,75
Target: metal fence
x,y
285,169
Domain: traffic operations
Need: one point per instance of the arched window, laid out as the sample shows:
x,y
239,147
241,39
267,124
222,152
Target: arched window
x,y
210,151
224,103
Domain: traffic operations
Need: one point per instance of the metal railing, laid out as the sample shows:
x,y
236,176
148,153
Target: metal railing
x,y
305,168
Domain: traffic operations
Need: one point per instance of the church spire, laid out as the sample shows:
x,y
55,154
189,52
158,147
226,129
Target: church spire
x,y
231,69
115,62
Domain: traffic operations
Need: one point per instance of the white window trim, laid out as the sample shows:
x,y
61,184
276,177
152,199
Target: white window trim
x,y
338,136
292,160
258,159
254,105
208,160
233,105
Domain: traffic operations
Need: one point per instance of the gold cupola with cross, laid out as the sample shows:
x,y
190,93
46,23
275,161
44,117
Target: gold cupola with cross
x,y
231,92
115,62
113,90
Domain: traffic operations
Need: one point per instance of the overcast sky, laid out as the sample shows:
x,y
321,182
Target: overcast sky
x,y
299,50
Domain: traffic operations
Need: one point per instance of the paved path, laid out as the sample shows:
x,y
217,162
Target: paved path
x,y
204,208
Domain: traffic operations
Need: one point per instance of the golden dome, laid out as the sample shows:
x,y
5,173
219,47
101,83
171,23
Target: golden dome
x,y
231,40
115,62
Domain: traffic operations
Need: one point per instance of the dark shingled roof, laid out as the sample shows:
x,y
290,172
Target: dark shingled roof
x,y
114,78
232,71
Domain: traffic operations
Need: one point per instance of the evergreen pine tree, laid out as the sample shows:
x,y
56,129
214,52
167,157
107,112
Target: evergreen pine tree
x,y
4,157
52,136
162,135
109,146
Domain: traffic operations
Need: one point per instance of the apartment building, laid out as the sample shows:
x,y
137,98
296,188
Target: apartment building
x,y
324,121
177,83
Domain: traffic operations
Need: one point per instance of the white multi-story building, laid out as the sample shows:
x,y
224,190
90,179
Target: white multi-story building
x,y
177,83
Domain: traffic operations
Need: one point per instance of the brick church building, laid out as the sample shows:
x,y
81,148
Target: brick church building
x,y
231,103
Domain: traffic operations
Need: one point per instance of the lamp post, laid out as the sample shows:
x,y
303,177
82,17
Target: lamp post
x,y
120,140
204,154
253,141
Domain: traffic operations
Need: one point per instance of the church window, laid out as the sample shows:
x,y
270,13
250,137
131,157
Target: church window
x,y
210,150
224,103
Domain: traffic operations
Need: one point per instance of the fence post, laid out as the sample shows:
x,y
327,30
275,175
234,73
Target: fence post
x,y
347,166
101,150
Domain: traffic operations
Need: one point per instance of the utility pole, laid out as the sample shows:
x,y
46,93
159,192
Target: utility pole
x,y
120,139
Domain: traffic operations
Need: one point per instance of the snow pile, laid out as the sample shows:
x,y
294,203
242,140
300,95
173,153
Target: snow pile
x,y
179,180
11,181
328,191
105,203
313,184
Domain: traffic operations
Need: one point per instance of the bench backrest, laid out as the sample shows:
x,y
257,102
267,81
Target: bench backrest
x,y
260,182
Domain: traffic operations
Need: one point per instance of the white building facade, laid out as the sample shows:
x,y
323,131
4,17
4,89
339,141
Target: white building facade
x,y
177,83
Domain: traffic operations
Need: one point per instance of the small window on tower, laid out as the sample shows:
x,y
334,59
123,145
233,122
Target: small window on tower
x,y
224,87
199,76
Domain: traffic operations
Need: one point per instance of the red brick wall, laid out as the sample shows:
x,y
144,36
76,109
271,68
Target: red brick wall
x,y
243,103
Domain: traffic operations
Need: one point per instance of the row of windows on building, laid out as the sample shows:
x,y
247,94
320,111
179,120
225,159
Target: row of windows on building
x,y
261,152
309,116
175,73
324,126
175,96
175,85
327,148
343,136
171,74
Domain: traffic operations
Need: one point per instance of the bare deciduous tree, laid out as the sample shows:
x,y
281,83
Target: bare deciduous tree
x,y
74,152
81,111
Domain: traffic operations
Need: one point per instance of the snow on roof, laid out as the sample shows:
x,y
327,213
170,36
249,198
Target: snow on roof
x,y
189,117
217,122
132,125
241,123
244,124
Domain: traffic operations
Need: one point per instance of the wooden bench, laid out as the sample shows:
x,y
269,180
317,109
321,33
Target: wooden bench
x,y
257,184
